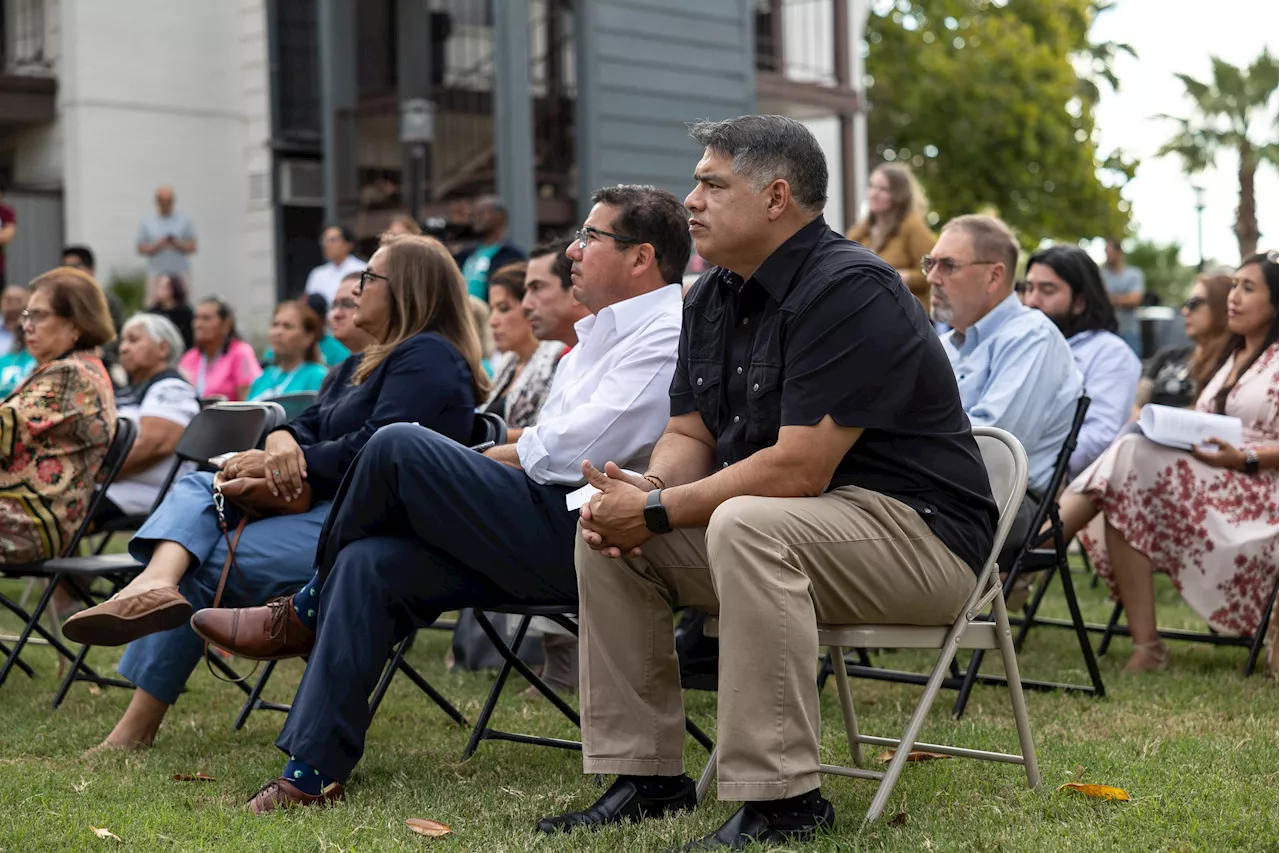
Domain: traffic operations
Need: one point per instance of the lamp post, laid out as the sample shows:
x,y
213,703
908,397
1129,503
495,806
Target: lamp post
x,y
1199,191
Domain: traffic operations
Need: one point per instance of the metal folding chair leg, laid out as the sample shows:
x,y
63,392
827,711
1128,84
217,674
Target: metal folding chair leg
x,y
18,661
846,707
1012,677
399,664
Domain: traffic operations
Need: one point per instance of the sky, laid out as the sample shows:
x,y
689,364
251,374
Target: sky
x,y
1179,36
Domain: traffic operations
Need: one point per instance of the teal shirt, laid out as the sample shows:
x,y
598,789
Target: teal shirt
x,y
475,269
333,351
274,382
15,367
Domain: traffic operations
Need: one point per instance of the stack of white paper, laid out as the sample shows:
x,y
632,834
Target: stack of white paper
x,y
1187,428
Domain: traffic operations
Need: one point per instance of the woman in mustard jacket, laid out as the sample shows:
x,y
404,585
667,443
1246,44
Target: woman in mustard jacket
x,y
894,227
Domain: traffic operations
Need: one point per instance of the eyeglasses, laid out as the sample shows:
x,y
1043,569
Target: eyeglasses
x,y
947,266
586,232
344,304
35,317
1193,303
368,276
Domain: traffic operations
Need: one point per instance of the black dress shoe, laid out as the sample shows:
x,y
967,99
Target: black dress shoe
x,y
750,825
624,802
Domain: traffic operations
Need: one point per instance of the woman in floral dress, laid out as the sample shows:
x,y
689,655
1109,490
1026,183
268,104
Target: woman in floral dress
x,y
56,427
1208,518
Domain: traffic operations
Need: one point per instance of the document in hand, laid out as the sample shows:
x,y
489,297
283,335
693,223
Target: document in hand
x,y
1187,428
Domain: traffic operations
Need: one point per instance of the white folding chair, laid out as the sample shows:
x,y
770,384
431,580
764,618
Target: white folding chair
x,y
1006,464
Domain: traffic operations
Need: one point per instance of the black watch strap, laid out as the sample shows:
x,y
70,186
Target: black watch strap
x,y
655,514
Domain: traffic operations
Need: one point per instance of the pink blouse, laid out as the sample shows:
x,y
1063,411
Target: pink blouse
x,y
225,375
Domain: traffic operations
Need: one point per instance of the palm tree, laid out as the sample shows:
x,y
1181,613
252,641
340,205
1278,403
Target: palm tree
x,y
1096,60
1228,115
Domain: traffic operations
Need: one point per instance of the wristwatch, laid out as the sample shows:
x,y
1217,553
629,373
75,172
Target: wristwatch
x,y
655,514
1250,463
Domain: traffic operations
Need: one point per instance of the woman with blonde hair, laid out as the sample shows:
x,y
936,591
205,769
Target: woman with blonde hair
x,y
56,427
894,227
423,369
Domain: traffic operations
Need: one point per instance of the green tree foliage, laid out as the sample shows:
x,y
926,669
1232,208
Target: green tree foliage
x,y
983,99
1165,275
1231,114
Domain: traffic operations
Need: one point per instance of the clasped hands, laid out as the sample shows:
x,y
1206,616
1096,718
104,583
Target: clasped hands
x,y
613,520
282,465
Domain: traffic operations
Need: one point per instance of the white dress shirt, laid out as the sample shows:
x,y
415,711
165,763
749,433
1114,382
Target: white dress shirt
x,y
610,400
325,278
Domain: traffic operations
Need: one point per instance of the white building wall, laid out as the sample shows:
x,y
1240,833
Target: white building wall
x,y
154,92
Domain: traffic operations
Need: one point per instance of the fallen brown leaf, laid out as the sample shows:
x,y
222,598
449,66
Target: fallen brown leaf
x,y
1097,792
900,819
105,833
913,755
428,827
193,777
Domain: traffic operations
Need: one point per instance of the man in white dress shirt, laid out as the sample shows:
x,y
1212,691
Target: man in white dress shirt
x,y
423,525
337,242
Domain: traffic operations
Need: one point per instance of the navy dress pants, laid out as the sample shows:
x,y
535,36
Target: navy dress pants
x,y
421,525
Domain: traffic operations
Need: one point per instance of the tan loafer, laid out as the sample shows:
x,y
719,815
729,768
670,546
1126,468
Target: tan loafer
x,y
282,794
122,620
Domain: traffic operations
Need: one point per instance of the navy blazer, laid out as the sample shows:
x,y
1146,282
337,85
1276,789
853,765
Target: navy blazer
x,y
424,380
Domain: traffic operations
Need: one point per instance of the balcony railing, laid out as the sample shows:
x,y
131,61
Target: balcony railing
x,y
23,48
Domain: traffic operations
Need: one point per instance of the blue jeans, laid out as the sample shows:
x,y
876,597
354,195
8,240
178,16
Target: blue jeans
x,y
275,556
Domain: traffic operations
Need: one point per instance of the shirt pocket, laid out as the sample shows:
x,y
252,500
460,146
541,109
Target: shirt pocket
x,y
706,380
764,403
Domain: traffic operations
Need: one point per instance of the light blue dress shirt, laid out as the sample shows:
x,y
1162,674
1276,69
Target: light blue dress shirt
x,y
1111,372
1016,372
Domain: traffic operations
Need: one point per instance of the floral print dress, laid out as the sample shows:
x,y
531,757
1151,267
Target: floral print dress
x,y
1213,531
54,433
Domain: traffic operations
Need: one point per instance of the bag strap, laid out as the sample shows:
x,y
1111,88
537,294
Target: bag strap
x,y
232,543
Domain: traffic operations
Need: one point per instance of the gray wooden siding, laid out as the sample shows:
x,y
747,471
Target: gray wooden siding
x,y
645,69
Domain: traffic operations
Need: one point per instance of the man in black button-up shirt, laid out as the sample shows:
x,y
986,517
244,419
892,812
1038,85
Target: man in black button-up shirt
x,y
818,467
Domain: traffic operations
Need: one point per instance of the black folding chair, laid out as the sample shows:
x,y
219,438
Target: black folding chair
x,y
295,404
1252,643
218,429
1035,557
117,452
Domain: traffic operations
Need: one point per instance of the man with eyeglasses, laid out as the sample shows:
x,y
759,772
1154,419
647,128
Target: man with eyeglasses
x,y
424,525
1013,366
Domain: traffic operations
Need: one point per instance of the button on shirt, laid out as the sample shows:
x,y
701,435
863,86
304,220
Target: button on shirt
x,y
1111,372
825,327
1017,373
608,401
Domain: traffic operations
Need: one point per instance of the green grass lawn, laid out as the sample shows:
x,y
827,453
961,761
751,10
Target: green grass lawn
x,y
1196,748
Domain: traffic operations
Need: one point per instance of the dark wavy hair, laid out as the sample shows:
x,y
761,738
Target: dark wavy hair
x,y
1074,266
1267,261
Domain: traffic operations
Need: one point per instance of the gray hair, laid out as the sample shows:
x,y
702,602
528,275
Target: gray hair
x,y
993,241
161,330
767,148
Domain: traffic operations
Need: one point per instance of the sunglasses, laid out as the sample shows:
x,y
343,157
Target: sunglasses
x,y
1194,303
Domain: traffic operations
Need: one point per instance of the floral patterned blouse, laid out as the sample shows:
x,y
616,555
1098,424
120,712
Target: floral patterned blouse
x,y
54,433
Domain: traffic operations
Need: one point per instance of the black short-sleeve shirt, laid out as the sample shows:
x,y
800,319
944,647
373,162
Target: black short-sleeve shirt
x,y
825,327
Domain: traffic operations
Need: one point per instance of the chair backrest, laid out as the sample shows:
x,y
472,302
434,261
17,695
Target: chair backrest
x,y
489,426
218,429
295,404
1006,464
117,452
1049,501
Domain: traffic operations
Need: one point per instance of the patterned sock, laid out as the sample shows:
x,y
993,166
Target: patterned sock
x,y
306,602
305,777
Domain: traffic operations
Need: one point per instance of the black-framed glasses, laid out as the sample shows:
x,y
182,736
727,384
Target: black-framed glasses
x,y
35,316
948,266
586,232
1193,303
368,276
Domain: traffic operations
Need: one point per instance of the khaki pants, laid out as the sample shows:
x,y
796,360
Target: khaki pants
x,y
772,568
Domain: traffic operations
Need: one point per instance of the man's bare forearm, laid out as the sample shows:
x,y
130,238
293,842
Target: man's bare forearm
x,y
506,454
678,459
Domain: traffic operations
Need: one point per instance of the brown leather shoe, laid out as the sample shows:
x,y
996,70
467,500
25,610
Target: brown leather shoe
x,y
282,794
270,632
117,620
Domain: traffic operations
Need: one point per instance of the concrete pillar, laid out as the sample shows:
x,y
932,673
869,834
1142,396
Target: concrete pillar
x,y
513,118
337,33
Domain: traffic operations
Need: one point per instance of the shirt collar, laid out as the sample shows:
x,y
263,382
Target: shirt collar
x,y
779,270
992,321
626,316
